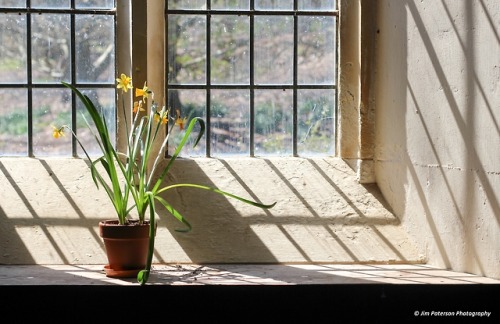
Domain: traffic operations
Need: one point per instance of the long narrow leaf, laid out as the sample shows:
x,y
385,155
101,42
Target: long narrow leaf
x,y
175,213
218,191
189,129
110,156
143,276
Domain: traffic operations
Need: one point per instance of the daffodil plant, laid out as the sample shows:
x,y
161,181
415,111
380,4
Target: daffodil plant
x,y
126,175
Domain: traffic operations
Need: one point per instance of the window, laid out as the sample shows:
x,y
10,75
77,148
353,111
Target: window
x,y
262,73
44,42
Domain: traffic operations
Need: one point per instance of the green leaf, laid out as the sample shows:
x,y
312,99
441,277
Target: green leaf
x,y
189,129
143,276
175,213
218,191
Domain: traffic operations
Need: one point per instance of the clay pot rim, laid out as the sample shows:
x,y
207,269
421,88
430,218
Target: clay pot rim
x,y
113,230
131,222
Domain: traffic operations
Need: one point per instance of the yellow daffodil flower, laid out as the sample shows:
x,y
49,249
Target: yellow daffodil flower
x,y
161,117
124,83
180,121
144,92
57,132
138,106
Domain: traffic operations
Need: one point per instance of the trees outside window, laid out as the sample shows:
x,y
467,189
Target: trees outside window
x,y
44,42
262,73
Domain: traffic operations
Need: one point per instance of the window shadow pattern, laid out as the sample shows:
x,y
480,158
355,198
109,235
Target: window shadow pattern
x,y
322,214
440,126
50,216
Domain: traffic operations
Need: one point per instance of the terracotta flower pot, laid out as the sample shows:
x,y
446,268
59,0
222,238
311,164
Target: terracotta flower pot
x,y
126,247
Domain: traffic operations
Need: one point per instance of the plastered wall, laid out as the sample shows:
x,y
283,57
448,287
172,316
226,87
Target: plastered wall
x,y
433,111
437,149
50,214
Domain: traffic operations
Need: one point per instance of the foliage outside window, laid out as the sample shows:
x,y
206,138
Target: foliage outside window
x,y
262,73
44,42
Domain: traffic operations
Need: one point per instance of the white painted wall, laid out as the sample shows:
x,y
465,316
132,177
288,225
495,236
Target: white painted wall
x,y
437,163
438,127
50,209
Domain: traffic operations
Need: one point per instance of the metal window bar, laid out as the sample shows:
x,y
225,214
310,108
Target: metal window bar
x,y
30,85
252,12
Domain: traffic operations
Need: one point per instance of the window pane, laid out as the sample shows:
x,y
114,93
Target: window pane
x,y
186,4
186,49
273,122
13,56
51,107
322,5
14,122
229,122
95,4
273,5
316,48
104,100
230,50
13,3
190,103
50,3
230,4
52,31
289,86
315,128
51,48
273,50
95,45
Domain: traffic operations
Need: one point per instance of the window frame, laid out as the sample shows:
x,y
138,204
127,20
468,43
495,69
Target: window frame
x,y
295,13
30,85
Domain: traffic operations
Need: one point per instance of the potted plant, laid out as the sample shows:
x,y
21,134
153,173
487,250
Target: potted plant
x,y
130,181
